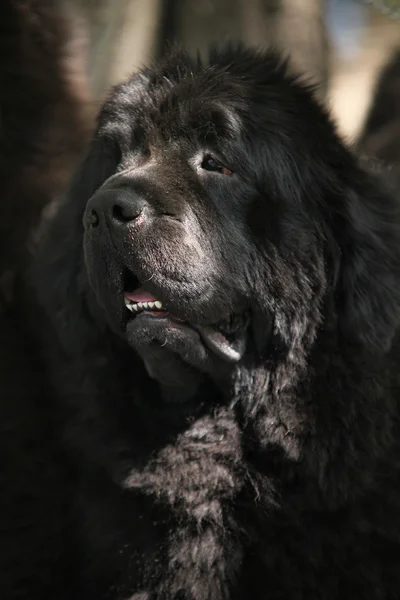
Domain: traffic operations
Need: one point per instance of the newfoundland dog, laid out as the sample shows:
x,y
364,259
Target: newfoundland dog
x,y
218,301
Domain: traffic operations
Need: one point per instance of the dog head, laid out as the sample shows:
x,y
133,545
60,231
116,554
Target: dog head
x,y
223,215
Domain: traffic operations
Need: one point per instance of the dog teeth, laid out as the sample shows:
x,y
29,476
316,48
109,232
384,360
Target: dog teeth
x,y
137,306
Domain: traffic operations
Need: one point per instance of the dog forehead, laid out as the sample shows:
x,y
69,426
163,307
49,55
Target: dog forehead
x,y
152,98
235,90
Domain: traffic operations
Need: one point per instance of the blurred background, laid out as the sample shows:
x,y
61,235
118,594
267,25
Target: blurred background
x,y
342,45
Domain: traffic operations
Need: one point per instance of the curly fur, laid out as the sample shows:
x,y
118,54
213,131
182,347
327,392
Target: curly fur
x,y
276,477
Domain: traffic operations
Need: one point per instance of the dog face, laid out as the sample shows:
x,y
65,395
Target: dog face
x,y
172,223
212,227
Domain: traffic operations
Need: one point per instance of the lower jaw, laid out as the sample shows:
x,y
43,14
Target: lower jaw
x,y
153,336
215,341
174,354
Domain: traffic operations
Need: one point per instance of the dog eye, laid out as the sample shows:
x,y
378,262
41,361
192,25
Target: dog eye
x,y
210,164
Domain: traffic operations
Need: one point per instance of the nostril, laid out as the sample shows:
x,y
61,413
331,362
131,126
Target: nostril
x,y
116,207
93,219
127,209
125,212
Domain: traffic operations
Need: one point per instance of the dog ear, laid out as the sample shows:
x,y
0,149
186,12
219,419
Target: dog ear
x,y
368,286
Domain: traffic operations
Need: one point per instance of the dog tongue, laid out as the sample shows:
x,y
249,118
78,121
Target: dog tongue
x,y
139,295
217,342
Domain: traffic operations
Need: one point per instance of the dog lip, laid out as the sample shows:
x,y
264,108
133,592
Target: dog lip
x,y
215,341
141,302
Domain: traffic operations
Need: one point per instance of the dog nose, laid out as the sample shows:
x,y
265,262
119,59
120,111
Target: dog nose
x,y
116,207
127,207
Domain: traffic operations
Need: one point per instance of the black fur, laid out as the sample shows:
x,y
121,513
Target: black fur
x,y
196,477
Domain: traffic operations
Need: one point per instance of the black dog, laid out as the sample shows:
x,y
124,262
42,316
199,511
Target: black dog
x,y
221,335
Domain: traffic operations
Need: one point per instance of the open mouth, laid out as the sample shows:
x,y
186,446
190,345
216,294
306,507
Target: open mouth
x,y
225,339
140,301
